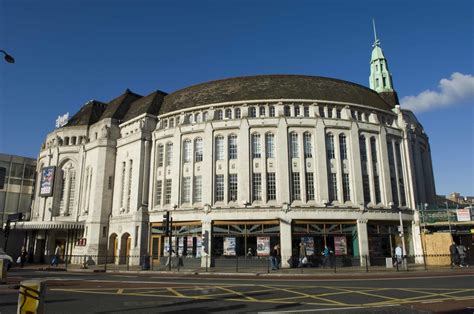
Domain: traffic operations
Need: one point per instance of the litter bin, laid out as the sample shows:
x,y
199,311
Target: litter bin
x,y
146,262
389,262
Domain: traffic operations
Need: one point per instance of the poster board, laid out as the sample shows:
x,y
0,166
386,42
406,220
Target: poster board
x,y
263,246
229,246
47,181
309,244
463,214
198,246
340,245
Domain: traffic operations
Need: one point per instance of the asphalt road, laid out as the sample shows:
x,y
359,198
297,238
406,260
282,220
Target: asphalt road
x,y
87,292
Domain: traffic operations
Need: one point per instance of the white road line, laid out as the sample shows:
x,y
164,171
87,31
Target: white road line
x,y
331,309
431,302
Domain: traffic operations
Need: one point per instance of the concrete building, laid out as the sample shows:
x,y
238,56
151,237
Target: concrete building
x,y
248,162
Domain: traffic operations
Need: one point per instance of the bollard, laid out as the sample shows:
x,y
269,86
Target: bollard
x,y
237,264
335,264
366,265
31,297
3,270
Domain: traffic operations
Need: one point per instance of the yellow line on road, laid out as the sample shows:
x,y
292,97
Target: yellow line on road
x,y
304,294
119,291
175,292
362,293
238,293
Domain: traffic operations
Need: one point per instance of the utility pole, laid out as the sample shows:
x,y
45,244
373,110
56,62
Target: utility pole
x,y
402,235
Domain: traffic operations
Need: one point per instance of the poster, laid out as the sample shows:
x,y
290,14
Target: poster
x,y
340,245
47,181
463,214
180,246
263,246
189,246
309,244
229,246
198,246
166,246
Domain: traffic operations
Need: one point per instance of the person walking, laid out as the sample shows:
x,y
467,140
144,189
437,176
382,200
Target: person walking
x,y
23,256
55,260
462,254
275,257
326,253
302,255
398,255
453,251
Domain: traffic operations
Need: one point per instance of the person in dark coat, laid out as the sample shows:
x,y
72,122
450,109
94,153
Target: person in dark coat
x,y
453,250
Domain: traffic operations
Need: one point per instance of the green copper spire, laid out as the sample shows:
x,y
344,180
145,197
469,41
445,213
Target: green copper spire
x,y
380,79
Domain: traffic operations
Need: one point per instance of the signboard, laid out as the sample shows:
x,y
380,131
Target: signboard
x,y
309,244
463,214
229,246
62,120
340,245
47,181
263,246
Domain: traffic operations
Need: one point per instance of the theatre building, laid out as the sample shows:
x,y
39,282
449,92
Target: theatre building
x,y
248,162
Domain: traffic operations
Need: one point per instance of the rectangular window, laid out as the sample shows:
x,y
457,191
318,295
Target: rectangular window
x,y
129,191
169,154
363,149
159,188
332,187
294,145
378,199
257,187
197,190
393,179
271,187
198,150
219,196
232,147
186,196
306,111
309,186
187,148
295,186
168,191
297,111
346,187
219,148
366,188
270,145
272,111
160,155
401,185
72,191
343,146
233,187
308,145
330,146
256,146
321,112
338,113
122,183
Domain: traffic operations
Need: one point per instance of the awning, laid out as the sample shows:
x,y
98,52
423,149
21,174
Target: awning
x,y
43,225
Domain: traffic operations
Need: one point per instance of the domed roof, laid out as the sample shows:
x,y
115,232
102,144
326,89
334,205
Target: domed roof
x,y
272,87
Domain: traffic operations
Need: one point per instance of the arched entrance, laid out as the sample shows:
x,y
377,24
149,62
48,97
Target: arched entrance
x,y
125,242
113,247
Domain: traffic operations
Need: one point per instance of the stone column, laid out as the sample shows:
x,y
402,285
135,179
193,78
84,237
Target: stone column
x,y
363,238
285,242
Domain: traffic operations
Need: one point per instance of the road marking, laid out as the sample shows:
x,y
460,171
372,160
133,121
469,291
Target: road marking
x,y
425,302
175,292
305,295
238,293
119,291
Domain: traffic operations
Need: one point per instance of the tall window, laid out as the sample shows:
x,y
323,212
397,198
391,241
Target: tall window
x,y
332,187
271,186
198,149
271,110
346,187
122,185
363,149
270,145
228,113
256,186
186,197
197,189
321,112
72,190
197,117
373,148
366,188
401,184
232,146
306,111
233,187
252,112
159,188
297,111
256,146
219,114
62,200
169,154
160,155
287,111
330,146
187,148
309,186
294,145
168,191
261,111
343,146
129,190
219,147
338,113
88,188
237,113
393,178
308,145
219,196
295,186
171,122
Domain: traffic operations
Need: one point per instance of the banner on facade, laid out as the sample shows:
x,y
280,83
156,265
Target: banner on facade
x,y
47,181
166,246
198,246
229,246
180,246
189,246
263,246
340,245
309,244
463,214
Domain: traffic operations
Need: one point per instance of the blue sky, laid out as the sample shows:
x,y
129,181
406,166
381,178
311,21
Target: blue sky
x,y
69,52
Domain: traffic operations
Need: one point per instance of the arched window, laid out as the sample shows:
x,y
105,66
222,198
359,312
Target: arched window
x,y
330,145
297,111
165,124
187,151
232,146
68,188
73,140
66,141
197,117
256,146
343,146
205,115
271,110
294,145
198,149
171,122
228,114
219,115
252,112
306,111
261,111
219,147
270,145
308,145
237,113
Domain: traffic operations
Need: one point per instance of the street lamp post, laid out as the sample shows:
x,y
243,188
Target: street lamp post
x,y
8,58
402,235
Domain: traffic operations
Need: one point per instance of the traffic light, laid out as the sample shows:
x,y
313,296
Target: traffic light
x,y
205,242
166,223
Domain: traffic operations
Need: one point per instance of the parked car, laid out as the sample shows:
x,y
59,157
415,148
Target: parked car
x,y
6,258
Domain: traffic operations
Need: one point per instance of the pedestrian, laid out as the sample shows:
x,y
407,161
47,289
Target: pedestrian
x,y
23,256
275,257
326,253
462,254
55,260
453,251
249,252
302,255
398,255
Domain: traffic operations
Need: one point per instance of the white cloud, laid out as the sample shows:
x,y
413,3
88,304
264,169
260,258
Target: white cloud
x,y
452,91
